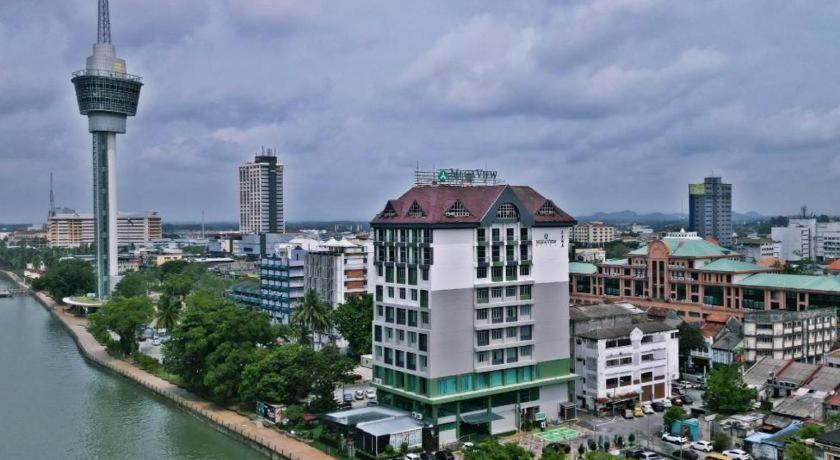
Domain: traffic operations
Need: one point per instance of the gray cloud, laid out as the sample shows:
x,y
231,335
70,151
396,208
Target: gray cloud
x,y
601,105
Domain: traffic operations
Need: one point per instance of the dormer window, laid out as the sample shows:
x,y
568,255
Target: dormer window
x,y
415,210
507,211
547,209
389,210
457,210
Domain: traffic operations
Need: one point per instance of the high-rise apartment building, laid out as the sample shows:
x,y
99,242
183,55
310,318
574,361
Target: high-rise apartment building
x,y
471,307
71,229
593,233
710,210
261,195
338,269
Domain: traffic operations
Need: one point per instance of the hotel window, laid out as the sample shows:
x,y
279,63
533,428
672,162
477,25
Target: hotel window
x,y
497,254
482,295
525,292
424,299
424,318
390,292
424,342
411,361
414,295
379,293
510,272
497,273
523,233
401,316
509,254
412,338
482,338
624,380
389,314
498,357
510,291
510,332
402,293
525,351
496,292
401,274
507,211
512,355
377,333
510,234
612,383
424,274
647,357
412,318
482,356
481,314
496,334
525,311
525,333
389,356
481,235
481,253
511,314
497,314
400,335
412,276
380,310
399,360
481,272
389,334
524,270
496,236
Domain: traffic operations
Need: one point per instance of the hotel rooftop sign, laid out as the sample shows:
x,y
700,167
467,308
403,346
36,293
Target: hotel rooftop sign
x,y
464,177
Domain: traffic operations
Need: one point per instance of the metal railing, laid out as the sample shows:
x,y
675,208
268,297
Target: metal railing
x,y
106,73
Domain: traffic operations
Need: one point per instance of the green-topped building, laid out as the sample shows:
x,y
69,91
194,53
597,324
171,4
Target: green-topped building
x,y
471,320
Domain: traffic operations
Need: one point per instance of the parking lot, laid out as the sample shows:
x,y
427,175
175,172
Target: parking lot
x,y
350,389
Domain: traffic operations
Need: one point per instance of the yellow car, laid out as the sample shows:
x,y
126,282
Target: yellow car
x,y
637,411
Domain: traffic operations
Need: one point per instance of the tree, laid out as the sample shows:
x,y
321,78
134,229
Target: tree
x,y
671,415
67,278
214,342
631,439
493,450
552,454
690,339
809,431
726,391
797,451
312,316
123,316
832,420
581,450
168,313
721,441
354,320
133,284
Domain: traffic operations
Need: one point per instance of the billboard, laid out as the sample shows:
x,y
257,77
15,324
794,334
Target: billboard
x,y
696,189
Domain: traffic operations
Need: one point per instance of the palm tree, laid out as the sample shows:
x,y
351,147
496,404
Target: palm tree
x,y
168,312
312,315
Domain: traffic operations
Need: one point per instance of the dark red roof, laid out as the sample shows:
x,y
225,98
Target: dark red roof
x,y
435,200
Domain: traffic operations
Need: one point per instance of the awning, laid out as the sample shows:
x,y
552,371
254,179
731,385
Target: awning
x,y
481,417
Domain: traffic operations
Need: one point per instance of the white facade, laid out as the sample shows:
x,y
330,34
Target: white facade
x,y
261,196
70,230
801,335
828,240
625,364
593,233
797,240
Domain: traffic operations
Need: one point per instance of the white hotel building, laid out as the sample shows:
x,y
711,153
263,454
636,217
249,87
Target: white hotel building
x,y
72,229
471,320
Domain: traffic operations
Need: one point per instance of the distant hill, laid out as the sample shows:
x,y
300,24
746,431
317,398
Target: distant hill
x,y
627,216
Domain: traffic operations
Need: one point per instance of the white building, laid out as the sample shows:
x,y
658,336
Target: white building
x,y
625,364
593,255
807,238
596,233
828,240
471,321
261,196
71,230
337,270
801,335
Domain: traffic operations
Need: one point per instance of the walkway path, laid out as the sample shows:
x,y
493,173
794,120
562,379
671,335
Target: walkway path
x,y
270,441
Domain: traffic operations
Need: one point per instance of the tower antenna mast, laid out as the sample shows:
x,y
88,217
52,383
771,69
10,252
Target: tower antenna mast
x,y
103,30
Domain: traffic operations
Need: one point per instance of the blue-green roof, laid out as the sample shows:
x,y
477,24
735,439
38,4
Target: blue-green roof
x,y
683,247
582,268
800,282
730,265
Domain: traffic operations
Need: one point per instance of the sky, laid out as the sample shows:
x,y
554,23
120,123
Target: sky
x,y
600,105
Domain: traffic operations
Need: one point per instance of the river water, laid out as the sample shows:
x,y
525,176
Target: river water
x,y
54,405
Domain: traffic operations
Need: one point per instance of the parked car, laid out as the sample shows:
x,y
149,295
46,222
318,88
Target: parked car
x,y
633,453
427,456
411,457
687,399
348,397
685,454
156,341
657,406
676,390
444,455
628,414
359,394
737,454
677,401
668,437
666,403
716,456
647,408
372,402
347,405
704,446
638,412
648,455
371,393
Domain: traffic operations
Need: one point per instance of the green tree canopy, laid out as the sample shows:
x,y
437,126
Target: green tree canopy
x,y
289,374
214,342
354,320
690,339
311,317
493,450
798,451
671,415
598,455
124,316
726,391
67,278
133,284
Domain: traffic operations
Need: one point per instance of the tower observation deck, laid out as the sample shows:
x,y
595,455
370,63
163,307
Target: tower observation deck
x,y
107,95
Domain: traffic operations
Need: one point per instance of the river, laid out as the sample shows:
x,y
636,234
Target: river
x,y
55,405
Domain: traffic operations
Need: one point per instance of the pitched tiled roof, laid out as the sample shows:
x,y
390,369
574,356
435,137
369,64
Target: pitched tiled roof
x,y
435,200
688,247
783,281
834,266
624,331
732,266
582,268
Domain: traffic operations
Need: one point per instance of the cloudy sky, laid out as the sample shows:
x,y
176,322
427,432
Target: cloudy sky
x,y
601,105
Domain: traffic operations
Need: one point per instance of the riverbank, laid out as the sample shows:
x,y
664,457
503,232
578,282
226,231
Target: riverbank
x,y
268,441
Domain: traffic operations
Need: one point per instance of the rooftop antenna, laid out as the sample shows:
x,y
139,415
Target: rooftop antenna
x,y
52,196
202,224
103,30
